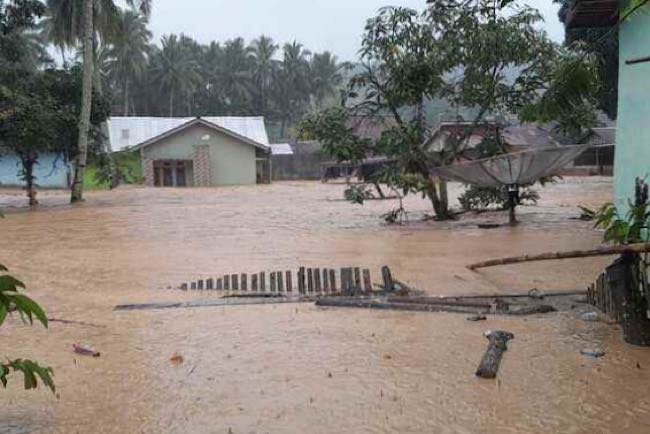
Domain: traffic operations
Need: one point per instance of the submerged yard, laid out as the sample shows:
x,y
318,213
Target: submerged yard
x,y
299,368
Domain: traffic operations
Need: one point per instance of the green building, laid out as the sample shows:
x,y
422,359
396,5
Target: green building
x,y
633,123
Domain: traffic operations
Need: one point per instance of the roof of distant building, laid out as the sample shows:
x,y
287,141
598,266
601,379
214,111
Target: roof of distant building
x,y
129,132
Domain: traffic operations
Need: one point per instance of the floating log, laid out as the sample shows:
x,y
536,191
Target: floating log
x,y
388,279
289,282
239,301
244,282
599,251
498,345
382,305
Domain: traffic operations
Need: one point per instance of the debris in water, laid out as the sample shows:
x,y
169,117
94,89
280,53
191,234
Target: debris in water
x,y
638,365
536,294
477,317
176,359
589,316
85,350
593,352
329,375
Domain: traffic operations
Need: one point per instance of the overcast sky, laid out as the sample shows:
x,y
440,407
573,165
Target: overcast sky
x,y
334,25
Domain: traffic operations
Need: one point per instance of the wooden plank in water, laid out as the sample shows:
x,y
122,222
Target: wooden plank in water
x,y
388,279
367,282
209,284
289,282
272,279
254,287
310,280
280,281
244,282
301,280
226,282
333,289
357,279
219,284
326,281
262,281
317,285
234,282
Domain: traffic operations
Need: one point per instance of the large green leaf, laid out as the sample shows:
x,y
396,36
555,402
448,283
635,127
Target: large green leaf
x,y
30,308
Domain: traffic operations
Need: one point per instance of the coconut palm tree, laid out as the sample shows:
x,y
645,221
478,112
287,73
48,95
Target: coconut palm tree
x,y
233,75
325,76
174,69
264,66
128,53
292,84
76,21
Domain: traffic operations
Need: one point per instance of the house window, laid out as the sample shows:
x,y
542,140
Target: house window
x,y
125,134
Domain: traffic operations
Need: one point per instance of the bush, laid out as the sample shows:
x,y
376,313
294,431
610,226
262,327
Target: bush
x,y
484,198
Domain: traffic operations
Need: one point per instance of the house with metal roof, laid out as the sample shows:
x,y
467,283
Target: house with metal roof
x,y
199,152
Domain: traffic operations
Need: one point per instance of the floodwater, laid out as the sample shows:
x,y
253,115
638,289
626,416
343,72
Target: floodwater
x,y
299,368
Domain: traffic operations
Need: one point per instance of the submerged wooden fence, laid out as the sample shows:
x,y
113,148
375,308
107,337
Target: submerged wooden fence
x,y
601,296
351,280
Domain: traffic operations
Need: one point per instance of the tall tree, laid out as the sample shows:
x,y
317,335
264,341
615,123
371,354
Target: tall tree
x,y
263,50
292,85
325,76
107,11
127,54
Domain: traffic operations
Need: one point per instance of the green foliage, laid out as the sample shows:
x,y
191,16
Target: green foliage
x,y
483,198
12,301
358,194
630,226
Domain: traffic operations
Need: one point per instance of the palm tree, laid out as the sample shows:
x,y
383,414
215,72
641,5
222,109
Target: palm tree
x,y
325,76
292,84
233,75
174,69
81,20
262,51
127,55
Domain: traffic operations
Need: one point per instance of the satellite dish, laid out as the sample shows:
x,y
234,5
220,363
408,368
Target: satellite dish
x,y
511,170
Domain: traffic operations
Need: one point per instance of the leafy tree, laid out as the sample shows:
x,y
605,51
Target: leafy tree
x,y
127,55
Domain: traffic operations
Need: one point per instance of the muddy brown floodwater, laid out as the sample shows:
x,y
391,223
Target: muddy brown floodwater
x,y
299,368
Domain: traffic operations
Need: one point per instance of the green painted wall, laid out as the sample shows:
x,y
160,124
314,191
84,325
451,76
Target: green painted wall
x,y
232,162
633,124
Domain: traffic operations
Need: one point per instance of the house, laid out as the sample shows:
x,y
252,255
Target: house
x,y
52,170
200,152
632,157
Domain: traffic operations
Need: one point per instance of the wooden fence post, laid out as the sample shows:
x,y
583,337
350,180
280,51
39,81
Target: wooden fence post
x,y
272,280
333,289
388,279
193,285
219,284
226,282
234,280
289,282
310,280
254,287
301,280
317,286
244,282
367,283
326,281
357,279
209,284
262,281
280,281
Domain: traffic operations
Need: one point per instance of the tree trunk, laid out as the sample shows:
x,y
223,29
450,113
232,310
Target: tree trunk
x,y
28,162
171,102
126,97
97,85
86,104
439,198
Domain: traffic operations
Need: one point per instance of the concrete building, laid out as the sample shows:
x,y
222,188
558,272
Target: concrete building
x,y
51,171
632,157
199,152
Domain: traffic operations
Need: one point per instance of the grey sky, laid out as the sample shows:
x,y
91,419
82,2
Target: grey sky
x,y
334,25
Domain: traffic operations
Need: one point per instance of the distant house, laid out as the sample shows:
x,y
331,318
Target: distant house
x,y
51,171
200,152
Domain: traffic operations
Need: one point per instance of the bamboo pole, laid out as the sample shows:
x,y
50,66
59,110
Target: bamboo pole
x,y
549,256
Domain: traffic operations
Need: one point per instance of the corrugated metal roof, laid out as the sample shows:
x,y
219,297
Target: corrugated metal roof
x,y
127,132
281,149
